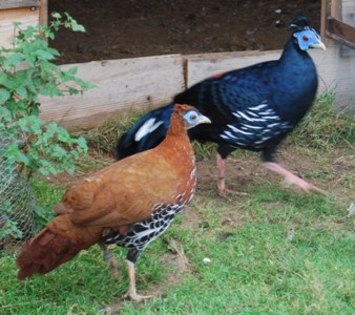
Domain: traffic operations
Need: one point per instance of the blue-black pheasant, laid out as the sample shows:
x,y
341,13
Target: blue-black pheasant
x,y
129,203
252,108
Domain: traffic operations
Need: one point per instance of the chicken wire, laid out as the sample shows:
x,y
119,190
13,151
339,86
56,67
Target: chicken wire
x,y
17,203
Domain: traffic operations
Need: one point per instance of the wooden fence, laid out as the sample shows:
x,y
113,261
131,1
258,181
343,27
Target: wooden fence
x,y
26,12
149,82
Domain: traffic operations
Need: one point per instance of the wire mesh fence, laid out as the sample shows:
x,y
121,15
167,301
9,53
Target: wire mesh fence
x,y
17,202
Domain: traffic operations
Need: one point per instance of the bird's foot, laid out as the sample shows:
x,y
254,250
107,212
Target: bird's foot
x,y
303,185
179,251
292,179
137,297
224,192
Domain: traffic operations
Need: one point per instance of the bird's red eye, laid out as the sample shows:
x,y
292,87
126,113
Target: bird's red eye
x,y
193,117
305,38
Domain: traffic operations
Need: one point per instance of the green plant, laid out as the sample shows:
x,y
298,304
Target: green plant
x,y
324,127
26,72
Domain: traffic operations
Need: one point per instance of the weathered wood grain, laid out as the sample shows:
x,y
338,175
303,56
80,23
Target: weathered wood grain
x,y
206,65
25,16
10,4
121,85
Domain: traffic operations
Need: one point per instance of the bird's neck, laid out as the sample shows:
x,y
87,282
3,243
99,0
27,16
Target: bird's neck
x,y
292,54
177,148
177,138
298,75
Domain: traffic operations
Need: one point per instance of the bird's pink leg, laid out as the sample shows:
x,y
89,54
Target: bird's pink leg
x,y
292,179
221,185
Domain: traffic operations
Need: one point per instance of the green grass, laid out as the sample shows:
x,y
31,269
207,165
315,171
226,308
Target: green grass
x,y
256,268
323,127
272,251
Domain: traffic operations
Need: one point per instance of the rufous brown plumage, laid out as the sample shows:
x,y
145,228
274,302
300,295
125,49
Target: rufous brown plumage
x,y
130,203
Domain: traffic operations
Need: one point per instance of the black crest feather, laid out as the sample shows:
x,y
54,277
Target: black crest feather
x,y
298,23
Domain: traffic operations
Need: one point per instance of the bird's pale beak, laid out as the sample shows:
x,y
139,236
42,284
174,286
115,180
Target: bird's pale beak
x,y
204,120
319,44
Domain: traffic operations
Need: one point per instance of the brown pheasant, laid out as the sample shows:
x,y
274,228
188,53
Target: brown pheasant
x,y
129,203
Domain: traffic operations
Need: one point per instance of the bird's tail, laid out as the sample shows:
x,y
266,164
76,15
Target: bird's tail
x,y
146,134
55,244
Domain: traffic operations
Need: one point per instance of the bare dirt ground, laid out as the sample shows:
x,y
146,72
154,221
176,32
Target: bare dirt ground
x,y
131,28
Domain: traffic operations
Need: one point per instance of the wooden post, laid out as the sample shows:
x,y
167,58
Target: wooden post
x,y
43,13
335,9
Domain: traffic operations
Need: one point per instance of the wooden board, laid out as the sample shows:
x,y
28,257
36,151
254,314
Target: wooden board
x,y
26,16
341,32
121,85
152,81
10,4
202,66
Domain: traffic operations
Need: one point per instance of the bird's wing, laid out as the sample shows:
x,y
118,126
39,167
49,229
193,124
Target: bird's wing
x,y
123,193
147,133
217,97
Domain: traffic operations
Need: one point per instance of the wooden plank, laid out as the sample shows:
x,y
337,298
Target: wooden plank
x,y
121,85
43,12
335,9
23,15
341,32
335,74
10,4
323,17
206,65
202,66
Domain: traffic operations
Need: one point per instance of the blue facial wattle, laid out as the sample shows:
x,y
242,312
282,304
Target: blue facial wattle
x,y
306,38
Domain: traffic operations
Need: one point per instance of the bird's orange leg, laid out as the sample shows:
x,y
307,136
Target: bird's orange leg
x,y
132,293
221,185
292,179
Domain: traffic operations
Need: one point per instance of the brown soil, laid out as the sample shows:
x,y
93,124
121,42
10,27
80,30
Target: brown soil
x,y
131,28
243,173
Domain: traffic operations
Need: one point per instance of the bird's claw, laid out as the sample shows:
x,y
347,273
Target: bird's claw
x,y
224,192
137,297
304,186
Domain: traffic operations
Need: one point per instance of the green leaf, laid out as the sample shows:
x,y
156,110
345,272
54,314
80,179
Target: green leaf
x,y
4,95
5,114
21,91
46,148
45,55
14,59
13,153
73,70
6,80
77,27
81,142
56,15
31,124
